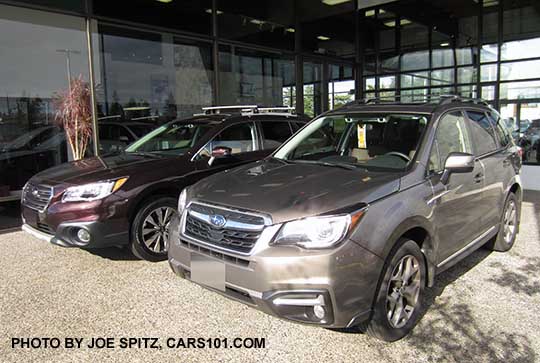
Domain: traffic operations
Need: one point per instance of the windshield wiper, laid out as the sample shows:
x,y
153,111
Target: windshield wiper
x,y
144,153
324,163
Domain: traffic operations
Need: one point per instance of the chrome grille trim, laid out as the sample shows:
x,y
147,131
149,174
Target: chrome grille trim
x,y
37,197
239,235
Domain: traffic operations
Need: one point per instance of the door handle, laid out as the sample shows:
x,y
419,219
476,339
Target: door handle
x,y
478,178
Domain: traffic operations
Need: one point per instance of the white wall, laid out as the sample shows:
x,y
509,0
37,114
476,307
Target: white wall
x,y
530,176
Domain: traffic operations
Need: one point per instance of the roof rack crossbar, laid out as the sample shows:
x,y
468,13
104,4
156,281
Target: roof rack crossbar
x,y
217,109
248,110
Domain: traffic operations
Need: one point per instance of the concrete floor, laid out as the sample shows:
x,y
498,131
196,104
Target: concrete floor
x,y
484,310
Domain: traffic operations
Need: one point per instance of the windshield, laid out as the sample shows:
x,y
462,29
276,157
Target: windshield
x,y
173,138
371,141
141,130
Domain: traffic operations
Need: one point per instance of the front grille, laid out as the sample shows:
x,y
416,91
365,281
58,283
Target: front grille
x,y
36,197
45,228
240,233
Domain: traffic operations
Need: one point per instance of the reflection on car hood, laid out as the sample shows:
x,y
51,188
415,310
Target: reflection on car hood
x,y
290,191
101,168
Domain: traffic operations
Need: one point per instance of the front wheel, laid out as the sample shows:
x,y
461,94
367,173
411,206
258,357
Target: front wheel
x,y
150,229
509,226
398,306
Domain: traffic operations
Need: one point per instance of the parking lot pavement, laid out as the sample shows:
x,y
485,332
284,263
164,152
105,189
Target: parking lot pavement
x,y
484,309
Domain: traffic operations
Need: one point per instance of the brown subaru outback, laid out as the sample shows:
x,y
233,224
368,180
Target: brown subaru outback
x,y
129,198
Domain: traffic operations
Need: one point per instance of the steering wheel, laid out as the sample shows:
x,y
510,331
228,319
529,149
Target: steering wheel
x,y
401,155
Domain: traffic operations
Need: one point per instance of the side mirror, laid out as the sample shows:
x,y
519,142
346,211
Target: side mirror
x,y
457,162
219,152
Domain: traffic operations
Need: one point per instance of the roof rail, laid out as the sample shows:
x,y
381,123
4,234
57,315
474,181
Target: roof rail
x,y
248,110
449,98
442,99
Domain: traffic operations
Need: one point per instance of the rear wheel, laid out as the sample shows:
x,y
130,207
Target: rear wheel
x,y
150,229
398,306
509,226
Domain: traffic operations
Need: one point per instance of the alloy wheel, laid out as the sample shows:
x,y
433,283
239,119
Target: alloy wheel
x,y
510,222
403,291
155,229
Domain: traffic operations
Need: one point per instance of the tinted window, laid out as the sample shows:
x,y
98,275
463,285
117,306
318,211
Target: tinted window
x,y
105,132
275,133
240,138
502,130
452,136
482,132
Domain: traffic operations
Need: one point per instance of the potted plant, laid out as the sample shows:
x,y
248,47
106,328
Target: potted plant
x,y
74,114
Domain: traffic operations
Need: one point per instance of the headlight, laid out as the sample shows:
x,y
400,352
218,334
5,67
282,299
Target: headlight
x,y
182,201
93,191
314,232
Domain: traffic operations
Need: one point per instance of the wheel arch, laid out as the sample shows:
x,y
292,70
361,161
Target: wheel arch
x,y
419,230
152,191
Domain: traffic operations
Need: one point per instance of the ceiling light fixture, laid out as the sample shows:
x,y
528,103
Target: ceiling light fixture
x,y
165,1
290,30
257,21
322,37
218,12
445,44
334,2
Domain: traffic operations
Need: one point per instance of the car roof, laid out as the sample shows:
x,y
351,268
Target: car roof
x,y
419,107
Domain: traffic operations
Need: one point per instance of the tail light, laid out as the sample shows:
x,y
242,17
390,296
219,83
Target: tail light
x,y
520,152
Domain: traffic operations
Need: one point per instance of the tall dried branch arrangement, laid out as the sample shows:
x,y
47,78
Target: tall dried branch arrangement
x,y
74,114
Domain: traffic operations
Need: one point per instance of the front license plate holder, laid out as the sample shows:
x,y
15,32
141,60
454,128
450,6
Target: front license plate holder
x,y
208,271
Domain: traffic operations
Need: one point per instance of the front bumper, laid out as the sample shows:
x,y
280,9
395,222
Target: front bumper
x,y
287,281
52,228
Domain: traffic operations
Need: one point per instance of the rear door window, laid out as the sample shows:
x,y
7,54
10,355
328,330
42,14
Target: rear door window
x,y
483,132
275,133
501,129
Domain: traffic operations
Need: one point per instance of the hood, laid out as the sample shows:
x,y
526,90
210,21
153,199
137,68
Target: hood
x,y
288,191
102,168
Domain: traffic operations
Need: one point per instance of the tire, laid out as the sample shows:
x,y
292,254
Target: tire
x,y
149,229
509,226
386,322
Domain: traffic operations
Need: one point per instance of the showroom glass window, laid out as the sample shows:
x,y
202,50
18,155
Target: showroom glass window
x,y
252,77
150,78
35,48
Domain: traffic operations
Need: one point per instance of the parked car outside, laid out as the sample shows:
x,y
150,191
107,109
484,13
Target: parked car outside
x,y
30,153
129,198
530,142
116,136
349,221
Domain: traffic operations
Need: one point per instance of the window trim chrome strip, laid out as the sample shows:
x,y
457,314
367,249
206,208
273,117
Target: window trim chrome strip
x,y
228,224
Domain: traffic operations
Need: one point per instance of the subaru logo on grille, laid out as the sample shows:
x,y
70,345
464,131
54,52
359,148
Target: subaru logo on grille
x,y
218,220
35,192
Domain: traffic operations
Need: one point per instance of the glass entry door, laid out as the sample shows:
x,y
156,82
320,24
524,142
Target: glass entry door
x,y
523,119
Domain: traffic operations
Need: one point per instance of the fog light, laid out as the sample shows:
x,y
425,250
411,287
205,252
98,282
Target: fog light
x,y
318,311
83,235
